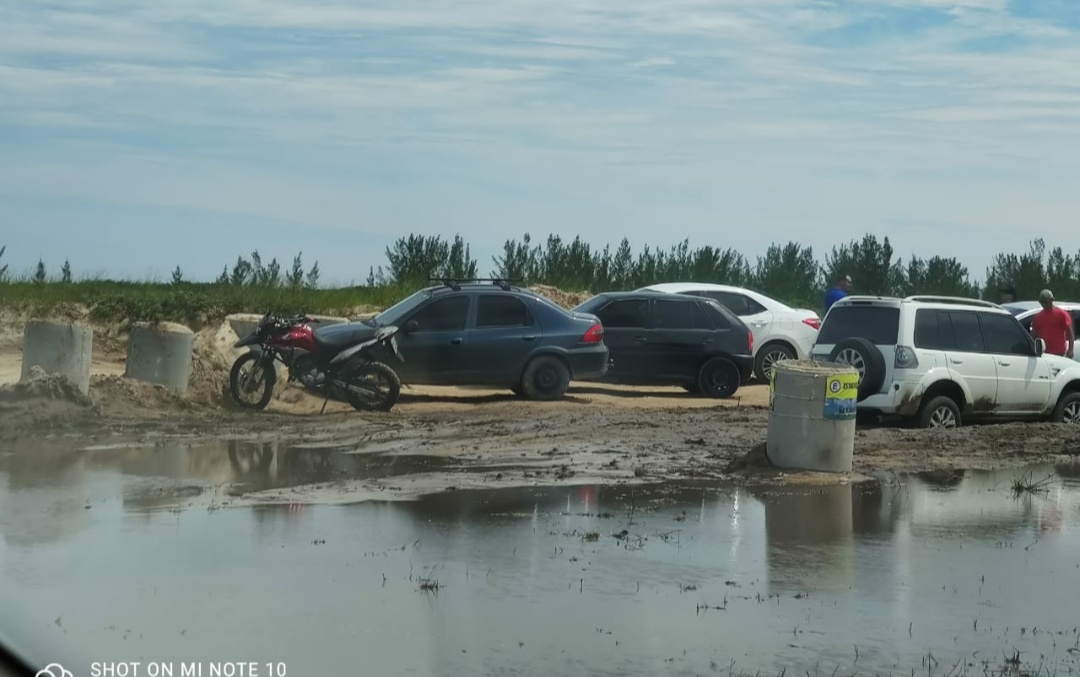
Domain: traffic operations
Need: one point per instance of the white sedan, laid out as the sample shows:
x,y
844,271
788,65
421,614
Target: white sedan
x,y
780,331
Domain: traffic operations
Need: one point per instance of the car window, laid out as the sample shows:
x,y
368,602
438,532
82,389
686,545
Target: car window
x,y
502,311
626,313
967,334
878,324
1004,336
679,315
718,314
1026,322
446,314
929,332
740,304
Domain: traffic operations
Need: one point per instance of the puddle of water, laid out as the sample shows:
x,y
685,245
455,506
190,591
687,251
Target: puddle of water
x,y
597,580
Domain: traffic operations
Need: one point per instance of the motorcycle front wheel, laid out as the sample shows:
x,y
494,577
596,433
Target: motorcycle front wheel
x,y
251,381
371,386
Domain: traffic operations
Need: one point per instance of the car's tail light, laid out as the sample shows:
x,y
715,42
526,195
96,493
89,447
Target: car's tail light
x,y
750,341
594,335
812,322
905,358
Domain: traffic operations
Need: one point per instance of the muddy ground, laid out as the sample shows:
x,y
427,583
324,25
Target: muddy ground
x,y
487,438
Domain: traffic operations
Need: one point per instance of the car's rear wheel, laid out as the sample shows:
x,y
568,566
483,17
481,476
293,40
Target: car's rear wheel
x,y
546,378
1067,409
719,377
767,357
939,412
866,359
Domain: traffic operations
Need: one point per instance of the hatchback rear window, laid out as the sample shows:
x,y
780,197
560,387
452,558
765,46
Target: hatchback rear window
x,y
878,324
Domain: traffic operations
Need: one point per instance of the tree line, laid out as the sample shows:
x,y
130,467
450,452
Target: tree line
x,y
789,272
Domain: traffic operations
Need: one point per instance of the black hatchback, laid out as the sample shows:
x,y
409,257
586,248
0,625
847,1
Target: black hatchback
x,y
667,339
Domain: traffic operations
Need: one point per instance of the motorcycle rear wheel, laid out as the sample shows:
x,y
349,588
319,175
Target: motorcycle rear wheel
x,y
252,385
375,376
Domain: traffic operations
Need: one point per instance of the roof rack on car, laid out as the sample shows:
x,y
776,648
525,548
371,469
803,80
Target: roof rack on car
x,y
953,299
456,282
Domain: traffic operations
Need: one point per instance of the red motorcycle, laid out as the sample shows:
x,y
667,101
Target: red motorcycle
x,y
339,360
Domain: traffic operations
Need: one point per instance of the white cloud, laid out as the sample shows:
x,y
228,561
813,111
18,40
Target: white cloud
x,y
661,120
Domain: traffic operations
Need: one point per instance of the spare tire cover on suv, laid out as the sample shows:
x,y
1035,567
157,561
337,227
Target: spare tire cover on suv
x,y
866,358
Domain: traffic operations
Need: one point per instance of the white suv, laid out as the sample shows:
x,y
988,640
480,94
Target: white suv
x,y
780,331
940,360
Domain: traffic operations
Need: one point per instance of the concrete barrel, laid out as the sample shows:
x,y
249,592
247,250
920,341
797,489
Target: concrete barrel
x,y
812,416
161,354
58,348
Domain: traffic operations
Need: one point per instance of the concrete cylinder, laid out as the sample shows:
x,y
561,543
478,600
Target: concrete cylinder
x,y
59,348
161,354
812,416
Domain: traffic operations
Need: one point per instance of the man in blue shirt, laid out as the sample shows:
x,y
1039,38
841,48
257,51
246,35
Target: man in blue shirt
x,y
839,291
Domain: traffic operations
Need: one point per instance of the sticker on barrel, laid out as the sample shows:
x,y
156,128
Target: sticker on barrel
x,y
841,397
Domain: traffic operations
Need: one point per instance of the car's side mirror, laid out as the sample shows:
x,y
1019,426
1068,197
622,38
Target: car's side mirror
x,y
410,326
1040,347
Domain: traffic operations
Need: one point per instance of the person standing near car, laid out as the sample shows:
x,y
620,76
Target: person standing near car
x,y
841,289
1008,294
1053,325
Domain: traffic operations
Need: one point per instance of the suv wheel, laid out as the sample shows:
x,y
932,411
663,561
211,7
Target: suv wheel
x,y
939,412
866,359
1067,409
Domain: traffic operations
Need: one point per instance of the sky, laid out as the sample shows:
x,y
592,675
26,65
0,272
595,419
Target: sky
x,y
137,136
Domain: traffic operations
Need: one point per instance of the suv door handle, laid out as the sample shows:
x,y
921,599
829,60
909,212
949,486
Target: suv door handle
x,y
1004,364
639,339
956,361
455,342
528,338
706,340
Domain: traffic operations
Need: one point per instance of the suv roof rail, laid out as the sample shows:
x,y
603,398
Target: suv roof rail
x,y
954,299
456,282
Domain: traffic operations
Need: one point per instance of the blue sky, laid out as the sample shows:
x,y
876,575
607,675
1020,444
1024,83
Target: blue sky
x,y
137,136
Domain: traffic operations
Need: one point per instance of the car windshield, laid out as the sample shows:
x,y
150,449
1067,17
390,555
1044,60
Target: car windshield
x,y
399,310
877,324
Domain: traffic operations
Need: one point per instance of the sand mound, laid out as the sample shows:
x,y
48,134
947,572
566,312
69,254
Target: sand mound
x,y
45,386
43,402
565,299
117,396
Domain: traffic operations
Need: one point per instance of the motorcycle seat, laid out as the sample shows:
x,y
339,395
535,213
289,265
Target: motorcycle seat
x,y
337,337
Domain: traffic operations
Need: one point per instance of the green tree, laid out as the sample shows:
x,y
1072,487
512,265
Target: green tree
x,y
177,276
224,277
65,272
1026,272
3,268
870,264
241,272
313,276
789,273
40,273
519,260
295,278
938,276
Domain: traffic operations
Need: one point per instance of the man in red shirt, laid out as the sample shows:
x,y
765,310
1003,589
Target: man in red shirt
x,y
1053,325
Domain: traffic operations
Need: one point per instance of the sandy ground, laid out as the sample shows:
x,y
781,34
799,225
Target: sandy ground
x,y
486,438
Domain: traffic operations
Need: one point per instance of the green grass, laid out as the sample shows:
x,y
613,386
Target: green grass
x,y
187,302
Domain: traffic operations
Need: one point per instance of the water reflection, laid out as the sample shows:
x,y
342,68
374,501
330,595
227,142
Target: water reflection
x,y
595,579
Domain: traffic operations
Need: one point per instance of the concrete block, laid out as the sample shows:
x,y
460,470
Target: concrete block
x,y
161,354
59,348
